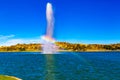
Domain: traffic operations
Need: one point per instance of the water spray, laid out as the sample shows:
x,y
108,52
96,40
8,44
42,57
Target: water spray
x,y
48,44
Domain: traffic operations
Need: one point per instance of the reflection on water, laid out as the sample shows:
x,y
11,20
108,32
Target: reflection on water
x,y
50,66
65,66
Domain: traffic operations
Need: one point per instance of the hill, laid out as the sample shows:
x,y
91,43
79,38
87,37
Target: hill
x,y
63,46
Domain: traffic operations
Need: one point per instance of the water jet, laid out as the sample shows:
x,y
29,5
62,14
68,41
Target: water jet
x,y
49,46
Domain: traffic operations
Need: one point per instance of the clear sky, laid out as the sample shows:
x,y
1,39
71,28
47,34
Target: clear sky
x,y
83,21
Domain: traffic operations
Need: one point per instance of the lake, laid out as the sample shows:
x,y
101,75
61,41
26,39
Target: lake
x,y
61,66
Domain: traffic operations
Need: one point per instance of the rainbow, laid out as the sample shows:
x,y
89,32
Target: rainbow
x,y
48,39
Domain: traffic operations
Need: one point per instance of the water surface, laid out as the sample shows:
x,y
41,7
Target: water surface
x,y
62,66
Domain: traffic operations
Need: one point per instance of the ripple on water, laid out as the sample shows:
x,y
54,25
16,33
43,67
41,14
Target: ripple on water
x,y
65,66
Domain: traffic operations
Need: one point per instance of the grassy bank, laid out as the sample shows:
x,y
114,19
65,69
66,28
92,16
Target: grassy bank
x,y
5,77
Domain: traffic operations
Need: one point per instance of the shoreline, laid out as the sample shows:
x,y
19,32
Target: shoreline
x,y
69,51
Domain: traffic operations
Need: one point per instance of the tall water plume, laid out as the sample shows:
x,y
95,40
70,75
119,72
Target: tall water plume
x,y
48,44
50,20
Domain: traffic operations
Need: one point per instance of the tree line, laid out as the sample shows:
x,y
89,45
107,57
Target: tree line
x,y
87,47
21,47
62,46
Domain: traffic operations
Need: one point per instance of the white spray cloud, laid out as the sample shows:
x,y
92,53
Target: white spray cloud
x,y
50,19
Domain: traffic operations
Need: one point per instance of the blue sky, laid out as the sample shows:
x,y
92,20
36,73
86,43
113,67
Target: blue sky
x,y
83,21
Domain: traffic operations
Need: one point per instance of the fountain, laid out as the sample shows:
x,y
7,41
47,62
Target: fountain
x,y
48,41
